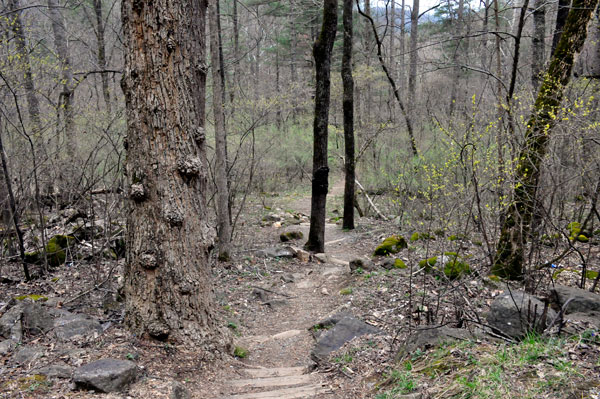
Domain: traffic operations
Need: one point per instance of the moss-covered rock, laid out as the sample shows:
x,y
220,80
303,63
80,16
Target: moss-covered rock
x,y
291,235
421,236
428,263
574,229
399,264
32,297
456,268
56,249
391,245
582,238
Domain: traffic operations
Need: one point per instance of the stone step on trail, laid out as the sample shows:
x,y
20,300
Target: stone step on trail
x,y
280,383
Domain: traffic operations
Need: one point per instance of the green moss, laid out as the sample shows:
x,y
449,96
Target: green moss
x,y
456,268
574,229
33,297
399,264
346,291
453,237
582,238
291,235
240,352
428,263
421,236
33,258
55,249
451,253
391,245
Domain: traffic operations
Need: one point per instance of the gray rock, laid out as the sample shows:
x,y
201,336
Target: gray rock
x,y
432,336
288,278
179,391
7,346
72,328
37,319
261,295
343,330
10,323
582,301
275,253
322,258
516,313
363,264
276,303
28,353
105,375
55,371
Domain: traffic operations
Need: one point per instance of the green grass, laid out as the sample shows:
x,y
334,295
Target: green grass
x,y
537,367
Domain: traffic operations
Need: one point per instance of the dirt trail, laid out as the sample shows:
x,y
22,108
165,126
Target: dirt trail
x,y
278,340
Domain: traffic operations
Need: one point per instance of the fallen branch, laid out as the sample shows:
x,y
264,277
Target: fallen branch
x,y
381,215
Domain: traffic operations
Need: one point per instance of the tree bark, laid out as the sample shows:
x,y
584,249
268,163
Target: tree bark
x,y
33,105
510,251
64,59
561,18
413,58
223,215
322,49
539,42
102,54
348,109
168,292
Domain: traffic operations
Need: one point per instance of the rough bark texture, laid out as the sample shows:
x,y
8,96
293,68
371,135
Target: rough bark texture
x,y
561,19
102,53
167,277
224,220
539,42
509,258
322,54
414,59
588,64
348,108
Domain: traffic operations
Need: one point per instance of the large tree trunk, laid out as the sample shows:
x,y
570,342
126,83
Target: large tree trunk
x,y
320,175
168,293
348,108
561,19
223,216
509,258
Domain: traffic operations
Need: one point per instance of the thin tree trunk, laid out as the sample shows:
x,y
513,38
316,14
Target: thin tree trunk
x,y
539,42
322,49
414,59
236,56
455,57
348,109
509,258
102,53
401,70
223,215
64,58
13,209
33,106
392,82
168,293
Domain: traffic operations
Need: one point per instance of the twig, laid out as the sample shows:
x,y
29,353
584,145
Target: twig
x,y
381,215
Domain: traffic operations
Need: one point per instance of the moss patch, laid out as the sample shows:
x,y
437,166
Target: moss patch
x,y
291,235
421,236
240,352
391,245
399,264
428,263
33,297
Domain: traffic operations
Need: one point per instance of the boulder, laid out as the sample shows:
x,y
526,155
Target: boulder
x,y
55,371
515,313
363,264
339,330
7,346
105,375
275,253
431,336
37,319
582,301
28,353
10,323
79,326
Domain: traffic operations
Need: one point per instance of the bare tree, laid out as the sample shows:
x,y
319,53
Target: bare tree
x,y
509,258
322,54
348,106
223,215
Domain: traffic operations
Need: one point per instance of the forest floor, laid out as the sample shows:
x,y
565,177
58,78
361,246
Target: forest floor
x,y
272,304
